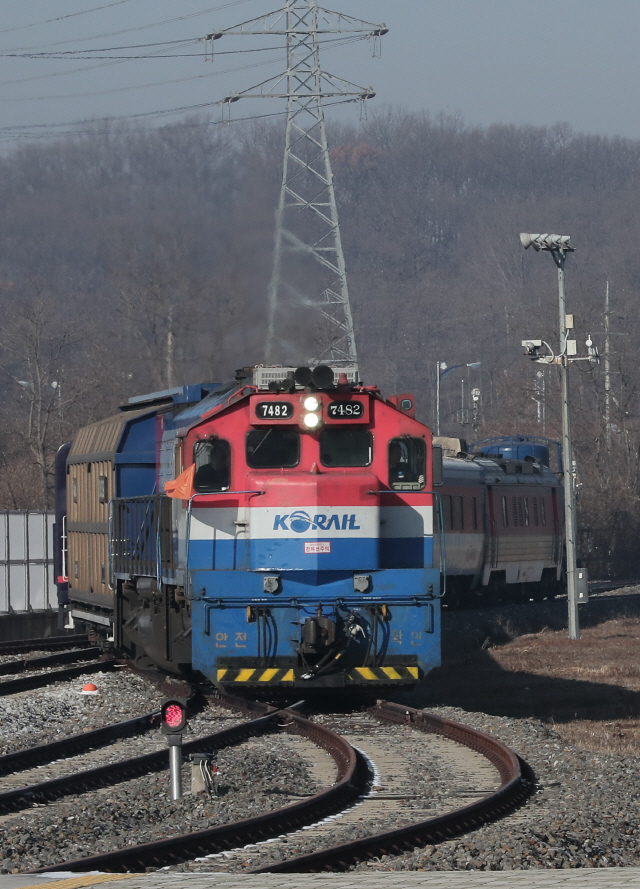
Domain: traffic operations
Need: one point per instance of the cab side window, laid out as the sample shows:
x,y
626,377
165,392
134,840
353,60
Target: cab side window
x,y
407,464
275,448
213,465
346,447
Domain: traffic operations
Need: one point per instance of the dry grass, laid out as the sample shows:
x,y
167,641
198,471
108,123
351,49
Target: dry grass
x,y
588,689
608,654
621,736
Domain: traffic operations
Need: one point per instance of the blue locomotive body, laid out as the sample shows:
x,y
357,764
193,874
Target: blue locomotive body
x,y
266,532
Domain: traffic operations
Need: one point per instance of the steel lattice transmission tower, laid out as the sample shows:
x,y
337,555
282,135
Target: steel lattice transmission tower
x,y
307,226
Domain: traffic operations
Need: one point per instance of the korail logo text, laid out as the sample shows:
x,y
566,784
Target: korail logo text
x,y
301,522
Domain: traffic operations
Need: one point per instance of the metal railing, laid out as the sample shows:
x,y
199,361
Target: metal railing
x,y
140,537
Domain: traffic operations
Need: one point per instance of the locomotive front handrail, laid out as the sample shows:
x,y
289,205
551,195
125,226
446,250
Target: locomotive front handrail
x,y
217,493
187,580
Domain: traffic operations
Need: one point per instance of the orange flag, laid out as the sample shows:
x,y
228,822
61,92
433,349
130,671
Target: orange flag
x,y
181,488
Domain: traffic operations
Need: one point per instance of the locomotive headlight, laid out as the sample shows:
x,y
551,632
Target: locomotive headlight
x,y
311,403
311,421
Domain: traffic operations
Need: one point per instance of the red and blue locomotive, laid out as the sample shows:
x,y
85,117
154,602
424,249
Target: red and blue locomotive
x,y
276,531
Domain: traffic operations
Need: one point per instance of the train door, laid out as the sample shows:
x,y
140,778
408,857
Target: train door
x,y
491,540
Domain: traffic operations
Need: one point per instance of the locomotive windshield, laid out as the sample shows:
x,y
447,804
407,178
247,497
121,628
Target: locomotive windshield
x,y
407,463
345,447
213,463
274,448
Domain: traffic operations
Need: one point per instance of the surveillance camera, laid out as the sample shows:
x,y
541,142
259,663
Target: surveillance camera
x,y
531,345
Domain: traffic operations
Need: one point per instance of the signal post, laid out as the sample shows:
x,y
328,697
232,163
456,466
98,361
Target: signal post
x,y
173,717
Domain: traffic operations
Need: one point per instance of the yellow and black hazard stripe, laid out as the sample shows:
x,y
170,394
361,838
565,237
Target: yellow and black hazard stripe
x,y
288,675
256,675
362,675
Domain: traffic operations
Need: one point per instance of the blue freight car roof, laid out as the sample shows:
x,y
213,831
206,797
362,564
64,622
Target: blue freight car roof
x,y
194,413
179,395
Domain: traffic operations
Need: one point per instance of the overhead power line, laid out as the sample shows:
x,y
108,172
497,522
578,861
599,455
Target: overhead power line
x,y
75,55
60,18
25,131
138,86
328,44
180,18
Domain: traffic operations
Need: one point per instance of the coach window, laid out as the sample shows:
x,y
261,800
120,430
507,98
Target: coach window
x,y
446,512
212,459
274,448
505,513
457,514
474,513
543,511
407,464
348,446
526,510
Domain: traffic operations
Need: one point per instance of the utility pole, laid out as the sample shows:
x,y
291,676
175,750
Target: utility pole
x,y
439,368
559,246
308,253
567,456
607,376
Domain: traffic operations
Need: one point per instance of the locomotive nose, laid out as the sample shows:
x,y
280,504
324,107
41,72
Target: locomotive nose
x,y
309,522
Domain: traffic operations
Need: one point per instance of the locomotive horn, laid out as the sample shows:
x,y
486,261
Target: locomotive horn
x,y
322,376
303,376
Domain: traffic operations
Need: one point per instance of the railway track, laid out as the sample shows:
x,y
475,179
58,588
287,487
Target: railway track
x,y
27,763
49,643
511,791
126,769
351,780
39,680
23,665
350,776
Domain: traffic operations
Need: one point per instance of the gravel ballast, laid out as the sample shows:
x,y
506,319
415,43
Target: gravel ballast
x,y
254,777
584,813
58,710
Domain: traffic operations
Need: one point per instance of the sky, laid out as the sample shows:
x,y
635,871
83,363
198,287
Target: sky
x,y
509,61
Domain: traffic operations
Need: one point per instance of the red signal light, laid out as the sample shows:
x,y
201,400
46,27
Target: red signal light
x,y
173,716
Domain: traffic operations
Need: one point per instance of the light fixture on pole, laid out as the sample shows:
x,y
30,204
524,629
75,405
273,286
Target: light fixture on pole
x,y
442,372
559,246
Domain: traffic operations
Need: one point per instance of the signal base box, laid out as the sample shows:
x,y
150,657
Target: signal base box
x,y
582,585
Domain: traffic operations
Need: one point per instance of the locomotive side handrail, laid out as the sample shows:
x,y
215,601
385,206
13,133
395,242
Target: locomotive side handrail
x,y
140,537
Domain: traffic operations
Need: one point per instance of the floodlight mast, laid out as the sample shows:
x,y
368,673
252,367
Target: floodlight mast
x,y
307,179
559,246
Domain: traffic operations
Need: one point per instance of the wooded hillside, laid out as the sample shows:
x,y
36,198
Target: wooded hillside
x,y
134,260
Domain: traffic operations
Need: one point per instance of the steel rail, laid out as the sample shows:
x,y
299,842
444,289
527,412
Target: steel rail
x,y
351,781
49,660
49,643
26,683
74,745
113,773
513,790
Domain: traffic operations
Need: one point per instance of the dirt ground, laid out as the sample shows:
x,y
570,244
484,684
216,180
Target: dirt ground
x,y
518,661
